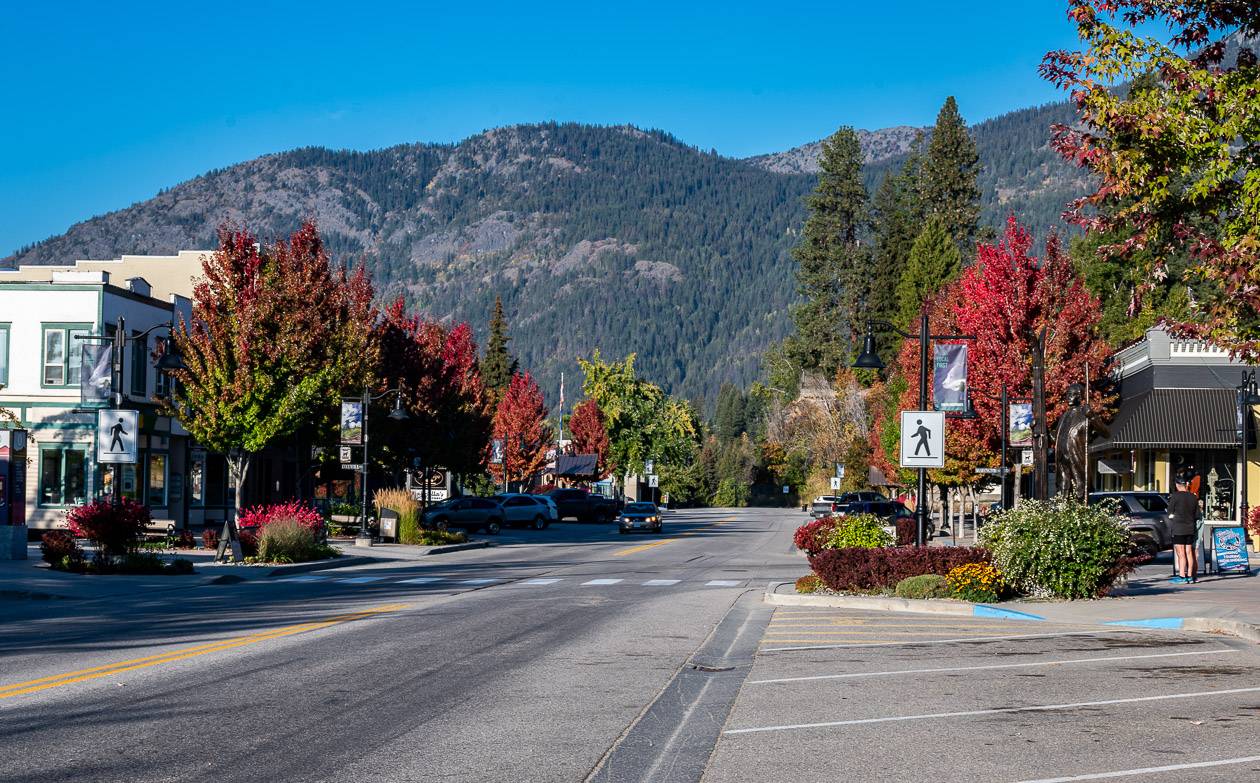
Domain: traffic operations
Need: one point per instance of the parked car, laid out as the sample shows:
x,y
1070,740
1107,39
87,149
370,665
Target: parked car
x,y
827,505
553,513
469,513
639,516
1146,516
521,510
888,510
584,506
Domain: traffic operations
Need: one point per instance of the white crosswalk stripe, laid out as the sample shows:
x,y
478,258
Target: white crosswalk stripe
x,y
479,581
722,583
601,582
302,578
420,580
359,580
451,582
660,582
540,581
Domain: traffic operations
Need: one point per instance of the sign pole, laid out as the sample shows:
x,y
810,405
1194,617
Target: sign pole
x,y
364,539
920,507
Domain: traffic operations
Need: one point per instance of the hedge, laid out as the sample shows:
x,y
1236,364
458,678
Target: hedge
x,y
872,569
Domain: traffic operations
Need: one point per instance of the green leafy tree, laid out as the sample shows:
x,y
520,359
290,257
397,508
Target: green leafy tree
x,y
897,221
1116,281
933,264
833,275
276,334
948,179
1175,157
498,365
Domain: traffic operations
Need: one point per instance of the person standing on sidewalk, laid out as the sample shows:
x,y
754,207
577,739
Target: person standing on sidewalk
x,y
1183,513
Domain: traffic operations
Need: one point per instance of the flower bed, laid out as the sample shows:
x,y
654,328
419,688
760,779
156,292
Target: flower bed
x,y
860,569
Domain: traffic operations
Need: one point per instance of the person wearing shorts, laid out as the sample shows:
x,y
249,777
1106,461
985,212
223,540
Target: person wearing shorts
x,y
1183,514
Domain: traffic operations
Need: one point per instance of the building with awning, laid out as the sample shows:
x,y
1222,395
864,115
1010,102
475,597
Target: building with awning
x,y
1178,410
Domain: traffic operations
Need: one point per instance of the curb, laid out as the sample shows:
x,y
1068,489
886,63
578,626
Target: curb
x,y
218,570
1216,625
441,550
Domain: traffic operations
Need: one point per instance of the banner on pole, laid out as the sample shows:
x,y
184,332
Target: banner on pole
x,y
496,451
1021,420
96,375
352,422
949,382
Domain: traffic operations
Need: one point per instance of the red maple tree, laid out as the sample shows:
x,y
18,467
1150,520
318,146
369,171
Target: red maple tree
x,y
589,433
520,422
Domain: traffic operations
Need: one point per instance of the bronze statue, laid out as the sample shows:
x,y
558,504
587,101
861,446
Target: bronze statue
x,y
1071,451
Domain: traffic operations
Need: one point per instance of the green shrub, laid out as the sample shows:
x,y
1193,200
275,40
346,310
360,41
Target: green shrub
x,y
924,586
1061,548
810,583
287,541
863,531
731,494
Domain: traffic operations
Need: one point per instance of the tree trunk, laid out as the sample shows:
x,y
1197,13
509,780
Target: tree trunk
x,y
238,467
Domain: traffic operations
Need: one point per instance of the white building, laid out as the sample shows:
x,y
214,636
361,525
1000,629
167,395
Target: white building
x,y
47,315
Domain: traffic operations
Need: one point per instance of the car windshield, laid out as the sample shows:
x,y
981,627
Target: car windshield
x,y
640,508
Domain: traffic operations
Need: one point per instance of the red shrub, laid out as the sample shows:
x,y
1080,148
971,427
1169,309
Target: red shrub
x,y
871,569
261,516
907,531
185,540
56,545
114,527
811,536
210,538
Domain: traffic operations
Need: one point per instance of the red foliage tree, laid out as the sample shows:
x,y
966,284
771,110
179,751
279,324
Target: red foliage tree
x,y
448,408
521,423
589,432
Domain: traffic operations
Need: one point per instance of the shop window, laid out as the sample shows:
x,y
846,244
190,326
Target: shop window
x,y
155,494
4,354
63,474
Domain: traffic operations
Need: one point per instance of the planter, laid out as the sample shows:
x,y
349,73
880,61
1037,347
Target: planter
x,y
12,542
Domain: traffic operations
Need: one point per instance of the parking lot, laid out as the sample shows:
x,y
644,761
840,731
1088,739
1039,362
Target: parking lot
x,y
863,696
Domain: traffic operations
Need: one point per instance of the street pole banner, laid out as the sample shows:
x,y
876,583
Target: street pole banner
x,y
922,439
352,422
949,377
1021,419
496,451
116,436
96,376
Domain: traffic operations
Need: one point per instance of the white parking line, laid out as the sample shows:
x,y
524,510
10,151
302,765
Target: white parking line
x,y
660,582
601,582
722,583
997,711
540,581
937,641
1104,659
1128,773
303,578
479,581
420,580
358,580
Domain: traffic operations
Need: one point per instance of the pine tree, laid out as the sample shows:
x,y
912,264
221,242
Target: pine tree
x,y
497,366
897,218
834,269
947,181
934,262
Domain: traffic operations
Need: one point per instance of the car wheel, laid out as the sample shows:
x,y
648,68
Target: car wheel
x,y
441,524
540,523
493,527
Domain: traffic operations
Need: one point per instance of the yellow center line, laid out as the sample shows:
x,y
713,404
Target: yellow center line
x,y
864,633
67,678
644,547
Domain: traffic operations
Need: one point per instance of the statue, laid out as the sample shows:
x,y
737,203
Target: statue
x,y
1071,451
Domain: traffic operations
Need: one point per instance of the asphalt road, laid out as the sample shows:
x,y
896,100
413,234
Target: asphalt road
x,y
576,654
557,655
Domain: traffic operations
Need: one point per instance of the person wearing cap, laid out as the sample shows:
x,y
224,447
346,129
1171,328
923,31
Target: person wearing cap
x,y
1183,513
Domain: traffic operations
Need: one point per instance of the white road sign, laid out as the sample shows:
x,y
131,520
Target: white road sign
x,y
922,439
116,433
654,481
835,482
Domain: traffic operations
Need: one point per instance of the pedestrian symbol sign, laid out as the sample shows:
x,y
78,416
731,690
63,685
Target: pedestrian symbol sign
x,y
922,439
116,435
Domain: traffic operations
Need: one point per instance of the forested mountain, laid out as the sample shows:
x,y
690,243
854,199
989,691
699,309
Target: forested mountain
x,y
608,237
595,237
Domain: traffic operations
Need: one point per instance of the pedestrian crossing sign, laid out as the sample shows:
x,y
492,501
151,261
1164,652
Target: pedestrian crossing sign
x,y
922,439
116,436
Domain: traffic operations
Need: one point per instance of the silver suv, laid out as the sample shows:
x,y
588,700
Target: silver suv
x,y
1145,514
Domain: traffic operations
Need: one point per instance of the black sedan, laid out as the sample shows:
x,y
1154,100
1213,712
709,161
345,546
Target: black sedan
x,y
639,516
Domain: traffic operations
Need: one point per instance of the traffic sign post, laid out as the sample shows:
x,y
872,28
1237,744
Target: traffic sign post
x,y
835,482
922,439
117,436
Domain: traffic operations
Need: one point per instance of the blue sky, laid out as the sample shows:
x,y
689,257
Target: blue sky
x,y
104,104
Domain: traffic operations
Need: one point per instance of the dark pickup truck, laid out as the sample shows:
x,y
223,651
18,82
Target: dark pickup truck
x,y
828,505
583,506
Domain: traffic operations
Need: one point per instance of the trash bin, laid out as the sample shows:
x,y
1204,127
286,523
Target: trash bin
x,y
388,525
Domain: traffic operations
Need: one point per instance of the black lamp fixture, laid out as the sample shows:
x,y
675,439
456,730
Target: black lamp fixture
x,y
869,359
398,413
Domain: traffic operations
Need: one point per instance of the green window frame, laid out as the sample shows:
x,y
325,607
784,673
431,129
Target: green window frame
x,y
4,353
64,475
139,366
61,354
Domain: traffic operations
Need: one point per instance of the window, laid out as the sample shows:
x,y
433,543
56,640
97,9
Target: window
x,y
63,475
197,479
1151,502
63,353
4,354
162,383
156,491
139,367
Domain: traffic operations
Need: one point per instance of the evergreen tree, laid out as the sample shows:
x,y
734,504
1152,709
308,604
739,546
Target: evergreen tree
x,y
730,418
947,181
497,366
934,262
834,269
897,218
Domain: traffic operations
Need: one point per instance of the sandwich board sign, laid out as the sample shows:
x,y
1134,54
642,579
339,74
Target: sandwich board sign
x,y
922,439
116,435
1229,550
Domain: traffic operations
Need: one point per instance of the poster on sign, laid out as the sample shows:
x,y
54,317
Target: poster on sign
x,y
1229,550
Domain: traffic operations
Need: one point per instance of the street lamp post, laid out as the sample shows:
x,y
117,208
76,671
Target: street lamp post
x,y
869,359
1246,396
397,414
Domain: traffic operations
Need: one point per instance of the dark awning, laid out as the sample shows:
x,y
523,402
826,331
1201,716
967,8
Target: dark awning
x,y
1174,419
576,466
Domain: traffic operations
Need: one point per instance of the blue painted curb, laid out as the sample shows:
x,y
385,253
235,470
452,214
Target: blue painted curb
x,y
984,610
1172,623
